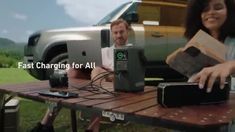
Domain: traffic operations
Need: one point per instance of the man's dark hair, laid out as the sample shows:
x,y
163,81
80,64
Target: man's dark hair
x,y
194,22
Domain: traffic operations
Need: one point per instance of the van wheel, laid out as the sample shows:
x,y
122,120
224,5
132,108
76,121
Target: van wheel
x,y
60,58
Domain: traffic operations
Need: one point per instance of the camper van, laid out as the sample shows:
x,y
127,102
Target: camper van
x,y
156,26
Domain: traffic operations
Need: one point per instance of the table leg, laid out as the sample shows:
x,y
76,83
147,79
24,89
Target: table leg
x,y
73,120
94,124
2,112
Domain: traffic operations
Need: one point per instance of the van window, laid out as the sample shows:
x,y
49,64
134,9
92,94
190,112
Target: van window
x,y
148,12
172,16
162,14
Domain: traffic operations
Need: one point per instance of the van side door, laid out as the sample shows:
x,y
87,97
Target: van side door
x,y
173,17
147,32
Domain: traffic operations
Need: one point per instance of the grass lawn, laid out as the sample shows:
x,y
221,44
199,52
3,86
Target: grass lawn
x,y
14,75
32,112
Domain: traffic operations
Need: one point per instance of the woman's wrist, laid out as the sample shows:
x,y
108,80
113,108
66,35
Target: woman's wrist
x,y
232,67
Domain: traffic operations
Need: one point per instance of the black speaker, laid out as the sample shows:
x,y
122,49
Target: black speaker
x,y
175,94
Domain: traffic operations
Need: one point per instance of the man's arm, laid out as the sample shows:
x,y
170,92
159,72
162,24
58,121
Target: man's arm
x,y
99,72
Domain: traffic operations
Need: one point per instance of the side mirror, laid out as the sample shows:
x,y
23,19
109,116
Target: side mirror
x,y
131,17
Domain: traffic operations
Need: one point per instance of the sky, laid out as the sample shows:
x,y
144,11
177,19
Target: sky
x,y
20,18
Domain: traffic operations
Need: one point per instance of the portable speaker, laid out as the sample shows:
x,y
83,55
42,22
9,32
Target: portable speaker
x,y
175,94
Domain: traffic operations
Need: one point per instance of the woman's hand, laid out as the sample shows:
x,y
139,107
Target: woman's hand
x,y
210,74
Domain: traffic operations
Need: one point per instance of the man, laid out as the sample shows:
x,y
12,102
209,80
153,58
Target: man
x,y
119,30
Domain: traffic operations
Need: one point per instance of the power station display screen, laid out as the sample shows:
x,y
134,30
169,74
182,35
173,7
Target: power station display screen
x,y
121,60
121,55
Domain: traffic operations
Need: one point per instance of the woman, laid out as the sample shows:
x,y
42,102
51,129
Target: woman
x,y
217,18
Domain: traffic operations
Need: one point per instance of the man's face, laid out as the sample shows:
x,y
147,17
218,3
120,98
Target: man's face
x,y
119,34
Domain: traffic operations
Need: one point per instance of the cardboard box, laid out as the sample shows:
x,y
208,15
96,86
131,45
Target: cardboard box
x,y
201,51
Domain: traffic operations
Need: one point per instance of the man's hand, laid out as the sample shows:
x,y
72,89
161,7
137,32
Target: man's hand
x,y
72,73
210,74
107,69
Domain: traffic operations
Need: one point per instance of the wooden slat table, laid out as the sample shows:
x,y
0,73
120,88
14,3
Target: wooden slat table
x,y
135,107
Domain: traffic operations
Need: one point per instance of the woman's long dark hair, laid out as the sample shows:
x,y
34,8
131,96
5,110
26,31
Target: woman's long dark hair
x,y
194,22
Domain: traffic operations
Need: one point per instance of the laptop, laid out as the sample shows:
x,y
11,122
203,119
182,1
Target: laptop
x,y
84,54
